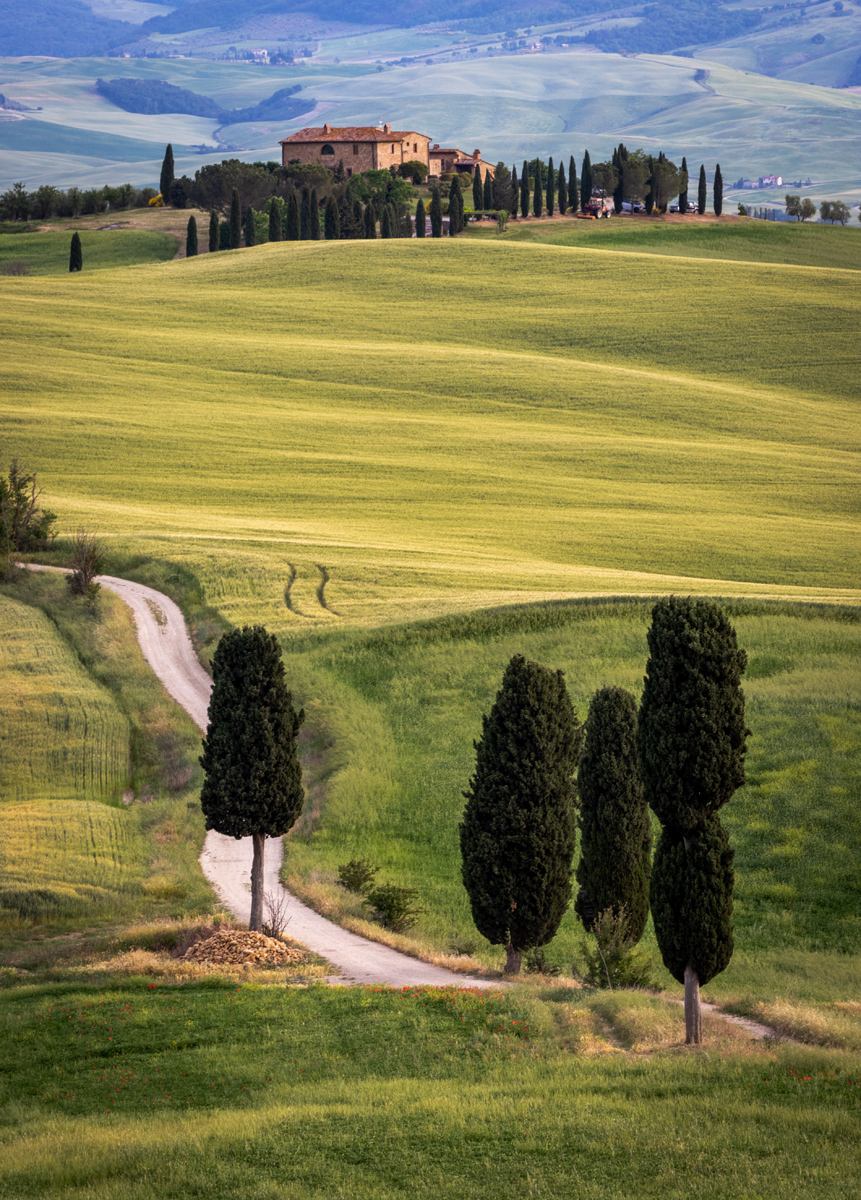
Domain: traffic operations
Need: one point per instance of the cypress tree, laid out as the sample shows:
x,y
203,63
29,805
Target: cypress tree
x,y
253,783
649,199
332,220
487,198
518,830
370,222
213,231
683,191
455,209
515,193
386,222
235,221
436,214
275,230
305,215
538,195
293,230
421,219
314,216
524,190
620,157
477,192
586,182
562,191
224,238
692,743
701,191
616,833
166,178
76,257
359,218
718,191
191,238
550,197
573,192
250,231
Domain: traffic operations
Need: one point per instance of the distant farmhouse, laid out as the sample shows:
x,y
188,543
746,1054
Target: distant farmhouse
x,y
372,148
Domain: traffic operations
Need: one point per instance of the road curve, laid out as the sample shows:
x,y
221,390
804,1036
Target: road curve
x,y
226,862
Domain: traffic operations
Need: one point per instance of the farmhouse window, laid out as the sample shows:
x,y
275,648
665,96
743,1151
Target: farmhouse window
x,y
393,150
355,148
327,149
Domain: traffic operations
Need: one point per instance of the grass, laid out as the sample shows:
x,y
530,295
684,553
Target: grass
x,y
742,240
143,1090
527,442
48,253
402,706
99,821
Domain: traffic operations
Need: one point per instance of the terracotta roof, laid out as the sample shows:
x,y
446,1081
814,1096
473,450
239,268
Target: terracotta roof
x,y
352,133
451,150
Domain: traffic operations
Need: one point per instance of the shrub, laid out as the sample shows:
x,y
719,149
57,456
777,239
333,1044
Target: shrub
x,y
394,906
537,964
357,875
16,266
156,201
612,960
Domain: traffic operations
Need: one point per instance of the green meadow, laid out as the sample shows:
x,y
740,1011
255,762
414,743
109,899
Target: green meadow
x,y
48,253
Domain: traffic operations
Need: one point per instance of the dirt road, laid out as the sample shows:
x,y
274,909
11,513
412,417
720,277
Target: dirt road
x,y
226,862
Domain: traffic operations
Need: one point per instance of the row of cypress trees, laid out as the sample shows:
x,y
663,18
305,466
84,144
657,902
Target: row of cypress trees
x,y
682,756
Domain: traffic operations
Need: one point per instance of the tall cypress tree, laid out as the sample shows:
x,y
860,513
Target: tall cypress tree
x,y
292,232
616,833
224,239
191,238
683,190
538,194
649,199
213,231
487,200
235,221
275,230
436,214
305,215
332,220
370,222
455,209
562,190
76,257
386,222
620,157
253,783
515,193
518,830
359,218
550,194
421,219
524,190
573,191
314,216
249,230
477,191
692,743
718,191
701,191
166,178
586,182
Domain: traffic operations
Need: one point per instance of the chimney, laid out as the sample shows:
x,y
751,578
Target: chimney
x,y
436,145
387,128
476,154
327,128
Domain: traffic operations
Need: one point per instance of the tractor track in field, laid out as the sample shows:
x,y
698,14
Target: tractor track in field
x,y
226,862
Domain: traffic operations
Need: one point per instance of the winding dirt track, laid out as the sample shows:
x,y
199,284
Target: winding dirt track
x,y
226,862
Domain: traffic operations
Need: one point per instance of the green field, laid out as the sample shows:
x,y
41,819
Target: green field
x,y
142,1091
48,253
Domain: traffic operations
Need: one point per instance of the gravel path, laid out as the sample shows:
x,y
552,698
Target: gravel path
x,y
226,861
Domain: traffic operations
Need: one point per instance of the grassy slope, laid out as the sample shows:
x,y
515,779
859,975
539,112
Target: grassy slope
x,y
175,1092
505,422
48,253
403,707
83,720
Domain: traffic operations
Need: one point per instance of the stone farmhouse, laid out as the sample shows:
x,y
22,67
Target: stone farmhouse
x,y
372,148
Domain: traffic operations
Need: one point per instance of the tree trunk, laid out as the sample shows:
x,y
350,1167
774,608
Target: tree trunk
x,y
693,1014
513,959
255,922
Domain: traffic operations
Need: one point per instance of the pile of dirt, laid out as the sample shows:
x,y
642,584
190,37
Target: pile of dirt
x,y
235,947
